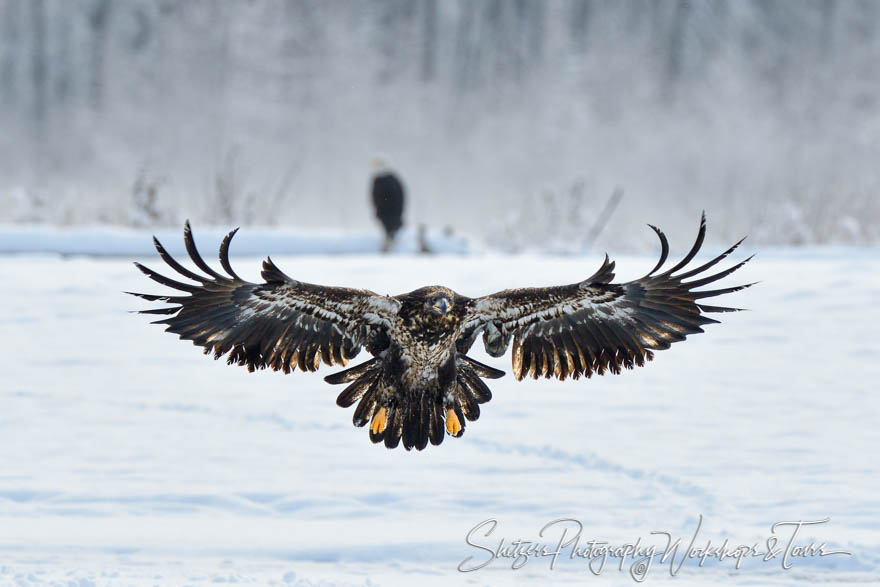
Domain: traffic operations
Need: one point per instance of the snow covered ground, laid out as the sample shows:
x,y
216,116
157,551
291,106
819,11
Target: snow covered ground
x,y
116,241
130,458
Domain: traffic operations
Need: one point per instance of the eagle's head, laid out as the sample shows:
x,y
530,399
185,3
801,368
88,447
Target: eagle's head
x,y
439,304
434,305
439,300
431,314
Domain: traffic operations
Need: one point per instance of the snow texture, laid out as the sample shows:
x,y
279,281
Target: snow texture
x,y
130,458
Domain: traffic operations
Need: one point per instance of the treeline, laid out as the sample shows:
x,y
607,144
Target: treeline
x,y
229,101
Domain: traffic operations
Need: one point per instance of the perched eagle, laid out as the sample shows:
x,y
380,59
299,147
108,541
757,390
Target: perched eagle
x,y
388,200
419,383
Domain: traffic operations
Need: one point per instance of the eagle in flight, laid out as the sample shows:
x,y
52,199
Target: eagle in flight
x,y
420,384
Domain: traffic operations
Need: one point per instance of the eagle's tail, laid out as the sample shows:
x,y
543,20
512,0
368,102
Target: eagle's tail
x,y
416,417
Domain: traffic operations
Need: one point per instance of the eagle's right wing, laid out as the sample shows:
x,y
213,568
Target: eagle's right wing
x,y
282,323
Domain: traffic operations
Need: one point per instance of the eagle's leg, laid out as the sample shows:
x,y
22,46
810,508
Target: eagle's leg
x,y
377,424
453,424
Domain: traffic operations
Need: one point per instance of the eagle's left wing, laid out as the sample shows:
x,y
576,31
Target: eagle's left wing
x,y
594,325
281,324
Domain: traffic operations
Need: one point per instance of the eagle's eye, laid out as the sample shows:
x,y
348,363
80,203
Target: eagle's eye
x,y
441,304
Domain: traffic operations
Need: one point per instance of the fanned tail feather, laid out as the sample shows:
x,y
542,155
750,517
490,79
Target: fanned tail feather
x,y
415,417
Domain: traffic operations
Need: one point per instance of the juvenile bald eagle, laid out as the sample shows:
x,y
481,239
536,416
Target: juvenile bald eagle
x,y
419,383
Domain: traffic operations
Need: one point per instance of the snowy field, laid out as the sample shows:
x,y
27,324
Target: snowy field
x,y
128,457
118,241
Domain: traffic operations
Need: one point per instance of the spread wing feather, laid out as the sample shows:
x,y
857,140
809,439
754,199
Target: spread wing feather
x,y
282,323
596,326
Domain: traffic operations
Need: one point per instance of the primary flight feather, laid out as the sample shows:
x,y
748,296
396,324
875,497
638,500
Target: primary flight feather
x,y
419,384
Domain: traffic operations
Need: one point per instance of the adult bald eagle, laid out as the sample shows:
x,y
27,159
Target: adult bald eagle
x,y
419,383
388,199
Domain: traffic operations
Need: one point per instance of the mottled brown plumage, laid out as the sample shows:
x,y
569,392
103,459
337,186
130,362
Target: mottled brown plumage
x,y
419,384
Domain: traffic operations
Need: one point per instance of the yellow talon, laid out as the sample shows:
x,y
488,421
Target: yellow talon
x,y
377,425
453,426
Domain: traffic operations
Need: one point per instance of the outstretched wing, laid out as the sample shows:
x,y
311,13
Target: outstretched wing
x,y
595,325
282,323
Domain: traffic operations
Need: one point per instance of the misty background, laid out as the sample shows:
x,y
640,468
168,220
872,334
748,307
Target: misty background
x,y
510,121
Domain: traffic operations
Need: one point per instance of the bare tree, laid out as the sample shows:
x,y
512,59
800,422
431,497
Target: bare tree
x,y
39,73
11,46
99,16
429,46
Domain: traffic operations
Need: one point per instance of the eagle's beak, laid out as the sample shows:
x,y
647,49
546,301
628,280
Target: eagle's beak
x,y
442,306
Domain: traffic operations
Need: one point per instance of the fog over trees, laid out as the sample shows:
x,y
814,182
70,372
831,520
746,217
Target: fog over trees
x,y
511,120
